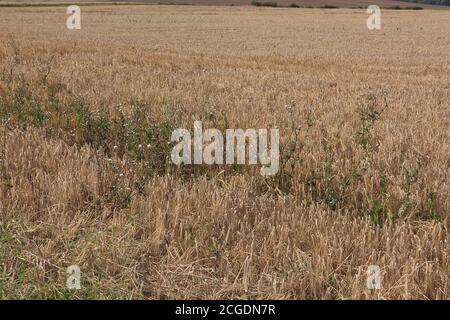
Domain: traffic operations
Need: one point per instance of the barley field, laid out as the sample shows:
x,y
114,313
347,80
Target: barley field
x,y
86,179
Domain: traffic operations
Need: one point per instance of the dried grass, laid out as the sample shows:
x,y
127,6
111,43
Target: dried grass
x,y
363,118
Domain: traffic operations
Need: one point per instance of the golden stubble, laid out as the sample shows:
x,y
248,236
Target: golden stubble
x,y
230,236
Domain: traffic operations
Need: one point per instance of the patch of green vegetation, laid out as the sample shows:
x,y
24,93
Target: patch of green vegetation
x,y
369,113
379,210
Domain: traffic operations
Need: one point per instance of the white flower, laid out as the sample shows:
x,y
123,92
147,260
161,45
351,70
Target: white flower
x,y
149,146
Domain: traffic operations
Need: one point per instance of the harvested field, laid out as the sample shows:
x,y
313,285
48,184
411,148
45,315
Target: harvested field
x,y
86,178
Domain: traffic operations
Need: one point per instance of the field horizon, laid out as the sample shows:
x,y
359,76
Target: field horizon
x,y
387,4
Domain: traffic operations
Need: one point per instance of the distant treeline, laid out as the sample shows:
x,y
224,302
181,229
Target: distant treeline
x,y
439,2
326,6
